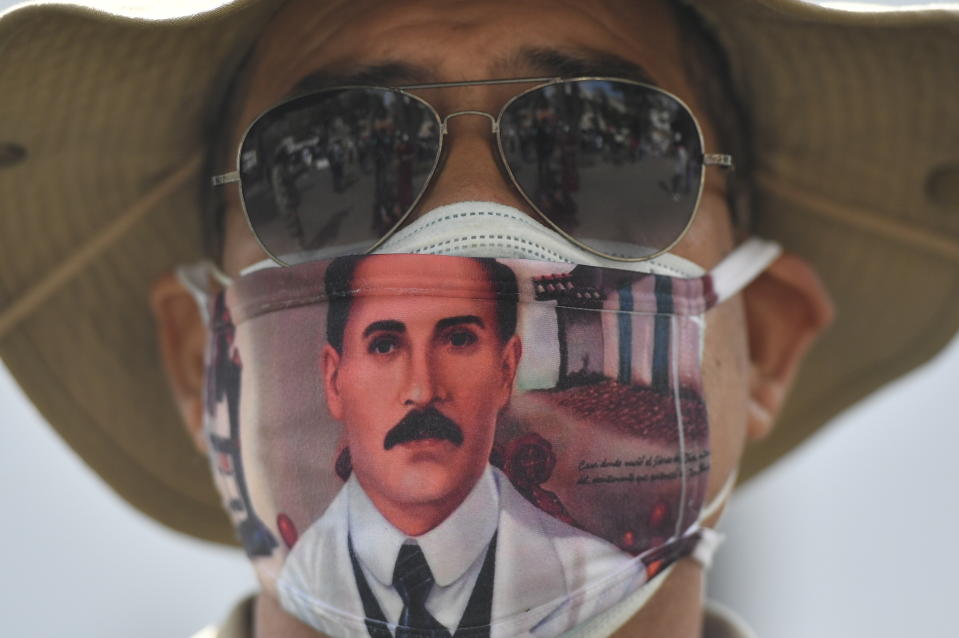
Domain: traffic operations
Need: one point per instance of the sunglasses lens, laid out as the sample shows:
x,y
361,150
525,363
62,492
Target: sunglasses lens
x,y
618,166
331,173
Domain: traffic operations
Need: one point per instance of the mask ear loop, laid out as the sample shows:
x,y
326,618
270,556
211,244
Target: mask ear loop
x,y
710,539
196,278
741,267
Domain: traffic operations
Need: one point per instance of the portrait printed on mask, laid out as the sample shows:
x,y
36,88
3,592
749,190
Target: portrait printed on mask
x,y
468,446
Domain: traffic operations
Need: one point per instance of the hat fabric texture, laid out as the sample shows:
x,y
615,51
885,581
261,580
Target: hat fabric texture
x,y
103,134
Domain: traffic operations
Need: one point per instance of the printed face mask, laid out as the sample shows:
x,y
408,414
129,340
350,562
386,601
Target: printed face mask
x,y
451,446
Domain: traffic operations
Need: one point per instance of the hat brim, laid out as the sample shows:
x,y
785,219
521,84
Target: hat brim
x,y
854,130
113,115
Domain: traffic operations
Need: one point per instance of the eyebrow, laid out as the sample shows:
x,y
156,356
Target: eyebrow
x,y
449,322
539,61
572,63
386,325
383,74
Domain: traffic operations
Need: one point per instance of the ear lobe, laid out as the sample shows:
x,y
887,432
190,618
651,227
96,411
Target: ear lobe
x,y
181,336
787,307
331,367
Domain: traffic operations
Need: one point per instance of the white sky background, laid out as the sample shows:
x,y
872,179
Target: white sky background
x,y
853,535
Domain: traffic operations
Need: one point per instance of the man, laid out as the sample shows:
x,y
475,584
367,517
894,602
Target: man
x,y
418,384
820,188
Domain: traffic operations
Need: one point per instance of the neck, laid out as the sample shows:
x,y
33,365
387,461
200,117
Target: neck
x,y
675,610
415,519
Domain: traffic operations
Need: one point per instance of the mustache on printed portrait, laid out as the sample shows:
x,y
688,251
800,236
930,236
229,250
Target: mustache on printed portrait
x,y
427,423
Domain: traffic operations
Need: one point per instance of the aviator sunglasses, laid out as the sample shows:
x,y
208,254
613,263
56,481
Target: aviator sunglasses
x,y
615,166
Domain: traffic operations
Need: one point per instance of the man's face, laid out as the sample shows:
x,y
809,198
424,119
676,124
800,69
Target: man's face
x,y
444,40
418,385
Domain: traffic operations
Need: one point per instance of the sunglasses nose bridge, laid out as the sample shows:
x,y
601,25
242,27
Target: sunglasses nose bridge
x,y
494,125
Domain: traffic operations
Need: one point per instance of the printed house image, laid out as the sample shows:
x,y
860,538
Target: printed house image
x,y
624,337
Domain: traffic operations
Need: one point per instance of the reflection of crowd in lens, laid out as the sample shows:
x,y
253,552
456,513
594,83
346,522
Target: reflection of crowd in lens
x,y
567,129
379,143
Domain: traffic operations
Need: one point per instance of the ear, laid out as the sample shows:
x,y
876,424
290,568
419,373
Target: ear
x,y
787,307
512,352
331,369
181,335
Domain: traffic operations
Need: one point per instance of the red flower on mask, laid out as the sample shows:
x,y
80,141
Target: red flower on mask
x,y
287,530
529,460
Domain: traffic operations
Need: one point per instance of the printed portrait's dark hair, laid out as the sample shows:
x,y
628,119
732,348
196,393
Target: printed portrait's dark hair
x,y
705,62
338,282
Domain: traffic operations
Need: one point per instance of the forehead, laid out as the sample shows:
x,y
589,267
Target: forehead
x,y
456,40
445,287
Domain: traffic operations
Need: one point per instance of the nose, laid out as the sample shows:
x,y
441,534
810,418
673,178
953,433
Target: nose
x,y
420,389
470,169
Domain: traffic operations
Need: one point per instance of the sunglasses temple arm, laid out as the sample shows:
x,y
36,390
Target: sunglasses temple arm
x,y
718,159
226,178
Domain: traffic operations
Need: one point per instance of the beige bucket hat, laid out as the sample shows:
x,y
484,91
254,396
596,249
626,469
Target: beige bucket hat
x,y
103,130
